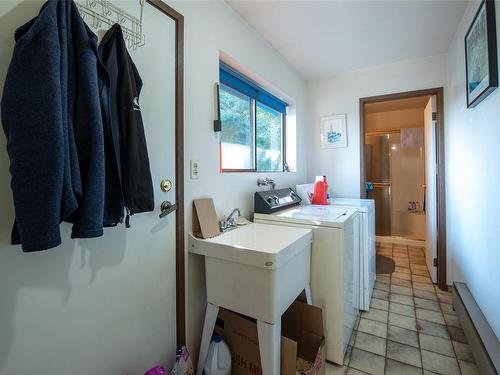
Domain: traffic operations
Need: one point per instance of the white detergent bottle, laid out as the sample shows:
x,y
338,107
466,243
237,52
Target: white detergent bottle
x,y
218,358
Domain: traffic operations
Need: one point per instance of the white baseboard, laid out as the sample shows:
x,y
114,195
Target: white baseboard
x,y
483,342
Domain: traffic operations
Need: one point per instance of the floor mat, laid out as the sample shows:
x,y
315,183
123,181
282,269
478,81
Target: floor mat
x,y
385,264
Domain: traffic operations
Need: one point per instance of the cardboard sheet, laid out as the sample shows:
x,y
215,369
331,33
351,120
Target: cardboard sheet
x,y
204,218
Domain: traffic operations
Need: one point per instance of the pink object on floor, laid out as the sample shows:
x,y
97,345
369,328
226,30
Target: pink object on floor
x,y
158,370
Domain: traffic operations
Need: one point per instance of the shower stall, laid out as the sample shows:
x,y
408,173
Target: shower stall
x,y
395,179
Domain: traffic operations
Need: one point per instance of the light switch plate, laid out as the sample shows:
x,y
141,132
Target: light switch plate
x,y
194,170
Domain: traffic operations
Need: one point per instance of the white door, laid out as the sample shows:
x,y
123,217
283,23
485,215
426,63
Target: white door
x,y
149,304
431,187
156,64
140,297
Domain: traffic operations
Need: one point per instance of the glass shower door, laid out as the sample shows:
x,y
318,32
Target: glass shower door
x,y
378,177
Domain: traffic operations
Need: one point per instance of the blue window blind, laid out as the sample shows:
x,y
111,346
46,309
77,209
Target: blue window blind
x,y
230,77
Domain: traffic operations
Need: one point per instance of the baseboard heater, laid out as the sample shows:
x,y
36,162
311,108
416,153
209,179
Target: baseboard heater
x,y
483,342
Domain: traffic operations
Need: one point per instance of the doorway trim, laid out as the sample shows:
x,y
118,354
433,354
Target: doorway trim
x,y
180,262
441,193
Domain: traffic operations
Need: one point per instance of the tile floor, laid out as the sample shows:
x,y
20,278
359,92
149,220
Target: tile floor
x,y
411,327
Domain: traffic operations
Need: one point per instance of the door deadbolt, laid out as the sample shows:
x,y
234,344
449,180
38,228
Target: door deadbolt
x,y
165,185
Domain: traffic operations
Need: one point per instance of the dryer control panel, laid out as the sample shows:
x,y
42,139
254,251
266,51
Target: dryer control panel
x,y
270,201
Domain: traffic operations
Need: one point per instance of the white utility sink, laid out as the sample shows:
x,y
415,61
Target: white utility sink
x,y
257,270
260,245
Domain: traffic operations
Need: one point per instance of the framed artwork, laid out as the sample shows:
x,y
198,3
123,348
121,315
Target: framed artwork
x,y
333,131
481,55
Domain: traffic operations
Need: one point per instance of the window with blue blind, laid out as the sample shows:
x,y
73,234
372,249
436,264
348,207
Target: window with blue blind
x,y
253,125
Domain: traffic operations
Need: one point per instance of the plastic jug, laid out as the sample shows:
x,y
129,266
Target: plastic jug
x,y
320,191
218,358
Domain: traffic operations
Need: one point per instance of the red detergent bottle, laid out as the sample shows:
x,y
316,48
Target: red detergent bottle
x,y
320,191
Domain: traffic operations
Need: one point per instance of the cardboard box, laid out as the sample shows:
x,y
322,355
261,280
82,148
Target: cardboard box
x,y
302,336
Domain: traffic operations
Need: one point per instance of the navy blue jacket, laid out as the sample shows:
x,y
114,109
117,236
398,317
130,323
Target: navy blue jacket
x,y
53,122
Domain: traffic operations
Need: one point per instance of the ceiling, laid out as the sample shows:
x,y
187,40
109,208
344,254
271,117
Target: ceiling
x,y
321,38
418,102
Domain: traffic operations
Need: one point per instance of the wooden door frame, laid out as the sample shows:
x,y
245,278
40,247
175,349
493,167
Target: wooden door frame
x,y
441,193
180,262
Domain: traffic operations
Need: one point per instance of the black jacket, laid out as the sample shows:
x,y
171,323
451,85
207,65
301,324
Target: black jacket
x,y
128,176
51,115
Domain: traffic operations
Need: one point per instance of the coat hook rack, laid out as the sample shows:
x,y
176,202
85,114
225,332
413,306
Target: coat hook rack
x,y
105,13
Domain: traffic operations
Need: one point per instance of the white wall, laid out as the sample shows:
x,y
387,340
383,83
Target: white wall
x,y
341,94
211,28
97,306
472,180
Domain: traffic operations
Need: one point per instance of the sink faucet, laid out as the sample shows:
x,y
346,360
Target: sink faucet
x,y
230,222
266,182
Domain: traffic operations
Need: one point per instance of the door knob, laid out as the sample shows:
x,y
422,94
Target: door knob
x,y
167,208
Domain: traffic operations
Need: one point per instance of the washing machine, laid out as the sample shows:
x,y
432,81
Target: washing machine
x,y
367,254
334,259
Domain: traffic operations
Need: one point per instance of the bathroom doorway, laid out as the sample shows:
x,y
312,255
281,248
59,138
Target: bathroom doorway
x,y
402,169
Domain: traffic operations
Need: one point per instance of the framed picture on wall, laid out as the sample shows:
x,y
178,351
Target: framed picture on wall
x,y
333,131
481,55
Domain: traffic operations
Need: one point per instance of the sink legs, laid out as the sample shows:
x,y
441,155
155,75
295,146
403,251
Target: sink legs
x,y
309,298
269,346
269,339
208,328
